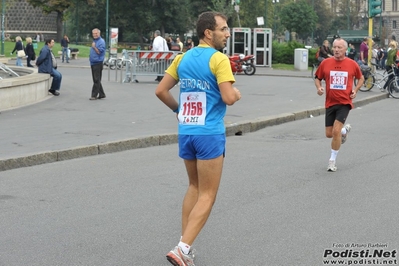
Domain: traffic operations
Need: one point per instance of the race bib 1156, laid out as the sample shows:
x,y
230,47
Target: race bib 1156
x,y
192,108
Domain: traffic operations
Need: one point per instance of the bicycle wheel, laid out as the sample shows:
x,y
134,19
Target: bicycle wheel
x,y
314,68
393,88
368,83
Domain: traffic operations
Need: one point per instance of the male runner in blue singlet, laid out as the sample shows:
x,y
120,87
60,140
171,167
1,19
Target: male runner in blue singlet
x,y
206,87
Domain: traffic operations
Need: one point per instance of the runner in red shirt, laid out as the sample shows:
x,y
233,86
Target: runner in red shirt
x,y
338,72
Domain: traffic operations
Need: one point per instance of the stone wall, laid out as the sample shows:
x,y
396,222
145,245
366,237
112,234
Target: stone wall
x,y
22,19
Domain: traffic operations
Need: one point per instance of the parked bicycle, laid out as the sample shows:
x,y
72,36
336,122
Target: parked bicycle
x,y
393,85
372,79
313,70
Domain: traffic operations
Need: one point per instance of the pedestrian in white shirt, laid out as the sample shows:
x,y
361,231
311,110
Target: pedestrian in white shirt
x,y
159,45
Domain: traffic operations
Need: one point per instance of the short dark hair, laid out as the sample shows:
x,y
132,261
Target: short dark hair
x,y
206,20
48,41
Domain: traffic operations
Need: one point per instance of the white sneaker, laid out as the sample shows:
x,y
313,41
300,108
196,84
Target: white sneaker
x,y
178,258
331,166
348,129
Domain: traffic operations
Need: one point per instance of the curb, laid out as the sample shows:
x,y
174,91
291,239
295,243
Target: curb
x,y
235,129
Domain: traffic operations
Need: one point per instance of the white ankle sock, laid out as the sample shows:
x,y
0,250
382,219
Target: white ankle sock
x,y
184,247
343,131
333,155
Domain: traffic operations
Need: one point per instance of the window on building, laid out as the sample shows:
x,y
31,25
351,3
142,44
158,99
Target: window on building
x,y
394,5
357,5
394,24
334,6
383,5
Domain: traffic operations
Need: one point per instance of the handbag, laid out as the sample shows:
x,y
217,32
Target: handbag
x,y
21,53
33,57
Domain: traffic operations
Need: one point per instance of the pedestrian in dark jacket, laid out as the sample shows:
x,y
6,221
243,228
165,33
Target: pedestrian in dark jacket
x,y
47,64
29,51
325,51
18,47
97,54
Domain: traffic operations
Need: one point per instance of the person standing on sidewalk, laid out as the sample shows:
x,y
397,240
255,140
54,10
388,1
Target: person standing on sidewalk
x,y
65,49
205,89
390,64
47,64
160,45
96,57
364,52
338,73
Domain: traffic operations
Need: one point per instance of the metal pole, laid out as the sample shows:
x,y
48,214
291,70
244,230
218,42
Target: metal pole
x,y
265,13
312,27
76,24
381,30
348,14
370,42
3,10
106,26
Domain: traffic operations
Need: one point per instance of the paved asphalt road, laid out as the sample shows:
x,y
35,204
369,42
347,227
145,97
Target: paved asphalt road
x,y
277,204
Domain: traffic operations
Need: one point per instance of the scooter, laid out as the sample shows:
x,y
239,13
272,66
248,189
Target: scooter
x,y
240,63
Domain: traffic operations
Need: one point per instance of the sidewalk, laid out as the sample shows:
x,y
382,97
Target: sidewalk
x,y
266,71
70,126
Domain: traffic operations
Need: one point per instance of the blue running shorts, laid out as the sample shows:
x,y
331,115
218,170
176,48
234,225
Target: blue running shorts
x,y
203,147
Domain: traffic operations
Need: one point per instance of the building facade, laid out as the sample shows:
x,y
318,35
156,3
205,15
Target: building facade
x,y
385,25
22,19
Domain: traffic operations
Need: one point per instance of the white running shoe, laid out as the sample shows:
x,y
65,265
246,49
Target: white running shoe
x,y
348,129
331,166
178,258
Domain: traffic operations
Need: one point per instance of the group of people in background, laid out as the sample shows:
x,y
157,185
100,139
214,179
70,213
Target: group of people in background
x,y
24,51
47,63
160,44
380,55
171,44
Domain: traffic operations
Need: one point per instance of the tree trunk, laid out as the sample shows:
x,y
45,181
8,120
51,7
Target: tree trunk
x,y
60,19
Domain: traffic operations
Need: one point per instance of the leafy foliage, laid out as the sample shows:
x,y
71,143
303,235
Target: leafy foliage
x,y
283,52
58,6
350,15
299,17
139,18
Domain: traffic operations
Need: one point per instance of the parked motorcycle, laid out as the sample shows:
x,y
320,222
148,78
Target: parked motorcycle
x,y
241,62
111,61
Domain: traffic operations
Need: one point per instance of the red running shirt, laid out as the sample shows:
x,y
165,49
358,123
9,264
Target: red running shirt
x,y
339,77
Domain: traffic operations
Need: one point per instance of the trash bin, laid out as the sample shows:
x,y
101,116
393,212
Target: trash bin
x,y
34,44
301,59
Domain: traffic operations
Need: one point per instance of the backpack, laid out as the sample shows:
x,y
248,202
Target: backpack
x,y
318,53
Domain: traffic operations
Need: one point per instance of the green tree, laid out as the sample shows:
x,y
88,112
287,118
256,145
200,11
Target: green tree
x,y
348,15
58,6
299,17
324,22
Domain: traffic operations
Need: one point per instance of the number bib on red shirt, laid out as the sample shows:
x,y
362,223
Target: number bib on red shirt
x,y
338,80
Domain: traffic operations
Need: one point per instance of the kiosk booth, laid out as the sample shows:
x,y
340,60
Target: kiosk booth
x,y
240,42
263,46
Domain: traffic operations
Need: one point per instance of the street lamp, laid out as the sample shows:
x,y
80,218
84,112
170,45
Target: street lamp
x,y
275,18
